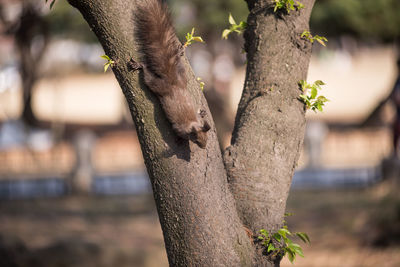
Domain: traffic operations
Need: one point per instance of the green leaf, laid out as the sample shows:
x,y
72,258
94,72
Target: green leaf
x,y
305,34
231,20
314,92
264,232
322,38
190,38
225,34
300,252
322,99
284,232
198,39
295,248
288,240
201,84
304,237
291,255
321,42
299,5
106,66
277,237
271,247
243,25
105,57
303,85
288,214
305,100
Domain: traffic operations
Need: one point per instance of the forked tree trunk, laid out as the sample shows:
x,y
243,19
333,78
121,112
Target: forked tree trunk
x,y
203,217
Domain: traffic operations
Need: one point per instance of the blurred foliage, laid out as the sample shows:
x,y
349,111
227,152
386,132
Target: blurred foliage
x,y
66,22
363,19
209,17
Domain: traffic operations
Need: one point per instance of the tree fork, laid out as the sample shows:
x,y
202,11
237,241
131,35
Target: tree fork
x,y
195,207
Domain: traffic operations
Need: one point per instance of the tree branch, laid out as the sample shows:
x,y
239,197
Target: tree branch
x,y
270,121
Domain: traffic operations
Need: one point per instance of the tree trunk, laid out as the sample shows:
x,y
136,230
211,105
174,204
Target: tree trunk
x,y
202,220
270,122
196,209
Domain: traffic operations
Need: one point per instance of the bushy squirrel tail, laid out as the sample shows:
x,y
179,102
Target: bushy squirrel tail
x,y
158,44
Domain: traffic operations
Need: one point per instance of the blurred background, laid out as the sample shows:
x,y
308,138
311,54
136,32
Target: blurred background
x,y
73,187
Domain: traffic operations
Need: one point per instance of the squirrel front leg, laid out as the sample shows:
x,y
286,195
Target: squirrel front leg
x,y
133,65
154,83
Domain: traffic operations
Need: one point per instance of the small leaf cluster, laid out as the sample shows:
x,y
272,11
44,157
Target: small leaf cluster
x,y
279,243
109,62
320,39
287,5
190,38
200,83
238,28
51,4
312,101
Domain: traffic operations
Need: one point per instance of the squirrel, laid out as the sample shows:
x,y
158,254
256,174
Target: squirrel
x,y
164,72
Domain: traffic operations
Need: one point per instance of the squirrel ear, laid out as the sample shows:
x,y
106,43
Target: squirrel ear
x,y
206,127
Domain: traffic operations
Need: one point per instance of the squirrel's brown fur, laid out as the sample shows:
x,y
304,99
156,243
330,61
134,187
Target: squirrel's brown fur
x,y
164,71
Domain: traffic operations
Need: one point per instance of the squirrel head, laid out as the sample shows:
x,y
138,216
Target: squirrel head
x,y
198,134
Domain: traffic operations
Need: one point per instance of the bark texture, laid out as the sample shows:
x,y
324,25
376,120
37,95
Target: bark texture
x,y
196,209
270,120
201,214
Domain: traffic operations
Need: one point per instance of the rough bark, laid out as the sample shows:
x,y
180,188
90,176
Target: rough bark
x,y
201,214
270,121
196,209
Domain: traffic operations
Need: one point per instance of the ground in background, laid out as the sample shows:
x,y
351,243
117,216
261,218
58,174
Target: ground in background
x,y
124,231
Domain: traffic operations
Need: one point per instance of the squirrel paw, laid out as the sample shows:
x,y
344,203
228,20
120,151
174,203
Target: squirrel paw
x,y
133,65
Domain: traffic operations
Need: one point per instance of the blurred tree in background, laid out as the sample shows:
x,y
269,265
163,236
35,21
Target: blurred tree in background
x,y
208,16
66,22
368,20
